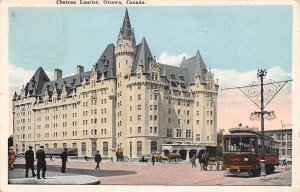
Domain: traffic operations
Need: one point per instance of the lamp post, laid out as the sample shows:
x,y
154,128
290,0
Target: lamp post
x,y
261,94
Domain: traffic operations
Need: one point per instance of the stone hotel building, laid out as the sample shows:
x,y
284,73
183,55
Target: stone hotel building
x,y
127,100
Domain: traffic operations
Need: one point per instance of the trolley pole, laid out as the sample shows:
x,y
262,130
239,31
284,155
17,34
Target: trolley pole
x,y
261,73
261,98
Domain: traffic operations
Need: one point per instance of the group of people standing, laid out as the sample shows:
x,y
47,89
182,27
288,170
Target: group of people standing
x,y
41,161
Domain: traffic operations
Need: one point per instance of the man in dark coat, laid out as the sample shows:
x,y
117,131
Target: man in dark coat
x,y
29,157
98,159
41,162
64,160
153,159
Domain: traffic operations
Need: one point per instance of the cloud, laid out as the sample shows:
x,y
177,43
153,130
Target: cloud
x,y
19,76
174,60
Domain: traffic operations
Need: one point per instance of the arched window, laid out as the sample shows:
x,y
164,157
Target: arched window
x,y
83,148
153,146
105,148
139,148
94,147
54,145
46,146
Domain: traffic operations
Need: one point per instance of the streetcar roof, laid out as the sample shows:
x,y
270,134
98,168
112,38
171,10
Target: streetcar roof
x,y
240,134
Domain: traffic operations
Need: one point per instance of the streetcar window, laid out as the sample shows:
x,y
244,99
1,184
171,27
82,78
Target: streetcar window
x,y
254,147
235,144
245,145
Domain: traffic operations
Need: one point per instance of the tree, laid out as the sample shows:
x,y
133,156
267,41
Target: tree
x,y
220,137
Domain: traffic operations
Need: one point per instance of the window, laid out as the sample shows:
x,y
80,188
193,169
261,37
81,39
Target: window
x,y
139,148
94,147
54,145
197,137
83,148
139,129
178,111
169,132
178,132
140,107
188,133
105,148
64,145
139,117
155,129
151,128
139,96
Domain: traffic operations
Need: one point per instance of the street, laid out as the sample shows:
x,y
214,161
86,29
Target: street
x,y
134,173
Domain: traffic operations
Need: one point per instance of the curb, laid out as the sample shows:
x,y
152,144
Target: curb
x,y
59,180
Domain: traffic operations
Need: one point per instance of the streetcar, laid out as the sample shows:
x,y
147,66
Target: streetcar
x,y
242,152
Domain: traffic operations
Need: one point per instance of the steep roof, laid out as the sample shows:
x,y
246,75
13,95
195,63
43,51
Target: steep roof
x,y
142,58
175,74
196,67
126,27
37,81
107,62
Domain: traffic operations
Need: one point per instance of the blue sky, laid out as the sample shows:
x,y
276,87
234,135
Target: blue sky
x,y
242,38
234,41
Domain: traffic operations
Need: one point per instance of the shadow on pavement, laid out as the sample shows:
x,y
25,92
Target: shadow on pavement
x,y
101,173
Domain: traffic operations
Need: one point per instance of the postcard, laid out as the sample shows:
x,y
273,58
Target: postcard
x,y
141,95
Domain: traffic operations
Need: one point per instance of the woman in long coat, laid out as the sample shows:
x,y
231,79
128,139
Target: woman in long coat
x,y
12,157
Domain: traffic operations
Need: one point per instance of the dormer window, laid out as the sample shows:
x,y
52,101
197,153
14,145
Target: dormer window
x,y
172,76
182,78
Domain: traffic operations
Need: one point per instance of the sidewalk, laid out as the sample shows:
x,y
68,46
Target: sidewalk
x,y
17,176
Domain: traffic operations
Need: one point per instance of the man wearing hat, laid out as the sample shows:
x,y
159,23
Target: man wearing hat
x,y
41,162
29,157
64,159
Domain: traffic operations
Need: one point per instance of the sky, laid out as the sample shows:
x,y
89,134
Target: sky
x,y
234,41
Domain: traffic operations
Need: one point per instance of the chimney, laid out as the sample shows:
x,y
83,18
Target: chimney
x,y
80,69
57,74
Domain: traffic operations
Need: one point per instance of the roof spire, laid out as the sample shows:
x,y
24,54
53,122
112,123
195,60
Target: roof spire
x,y
126,27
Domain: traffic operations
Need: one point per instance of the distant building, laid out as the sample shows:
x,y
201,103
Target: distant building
x,y
284,139
127,100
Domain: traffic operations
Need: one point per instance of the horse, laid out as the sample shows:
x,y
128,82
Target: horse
x,y
203,161
119,155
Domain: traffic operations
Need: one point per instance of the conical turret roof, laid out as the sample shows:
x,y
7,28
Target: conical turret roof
x,y
126,27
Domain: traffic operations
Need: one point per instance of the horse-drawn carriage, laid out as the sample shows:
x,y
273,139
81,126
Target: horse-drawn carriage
x,y
169,157
211,156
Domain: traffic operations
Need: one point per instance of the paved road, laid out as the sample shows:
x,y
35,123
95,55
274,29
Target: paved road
x,y
163,174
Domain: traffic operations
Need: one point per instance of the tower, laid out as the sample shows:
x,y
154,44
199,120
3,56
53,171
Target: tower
x,y
125,53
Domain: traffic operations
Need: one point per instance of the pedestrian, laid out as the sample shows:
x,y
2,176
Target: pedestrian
x,y
29,158
98,159
64,160
111,159
153,159
51,158
41,162
86,158
194,161
12,157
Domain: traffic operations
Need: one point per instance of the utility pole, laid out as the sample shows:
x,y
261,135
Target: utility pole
x,y
261,94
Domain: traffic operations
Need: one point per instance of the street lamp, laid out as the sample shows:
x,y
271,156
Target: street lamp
x,y
261,94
